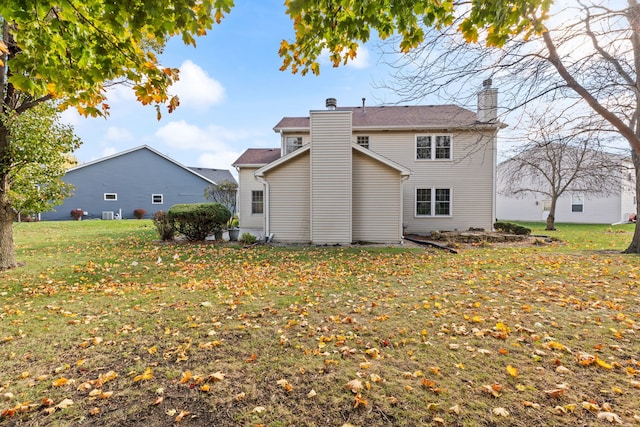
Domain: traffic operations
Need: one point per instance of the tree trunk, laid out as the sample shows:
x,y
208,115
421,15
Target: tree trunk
x,y
7,252
634,246
551,218
7,214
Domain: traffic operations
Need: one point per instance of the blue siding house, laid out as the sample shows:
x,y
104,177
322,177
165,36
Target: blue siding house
x,y
116,185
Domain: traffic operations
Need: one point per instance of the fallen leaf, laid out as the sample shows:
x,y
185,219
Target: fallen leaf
x,y
528,404
512,371
354,385
146,375
65,404
455,409
312,393
609,416
181,415
500,412
60,382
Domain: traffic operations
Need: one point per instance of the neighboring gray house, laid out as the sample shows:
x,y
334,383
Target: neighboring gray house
x,y
138,178
369,174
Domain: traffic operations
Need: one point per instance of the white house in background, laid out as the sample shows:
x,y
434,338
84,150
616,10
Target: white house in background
x,y
615,205
368,174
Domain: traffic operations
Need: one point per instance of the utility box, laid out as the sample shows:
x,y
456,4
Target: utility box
x,y
107,214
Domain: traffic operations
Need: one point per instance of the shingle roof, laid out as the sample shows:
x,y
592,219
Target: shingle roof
x,y
215,175
398,117
258,156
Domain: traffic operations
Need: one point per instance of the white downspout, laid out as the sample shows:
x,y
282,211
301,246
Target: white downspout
x,y
403,178
267,207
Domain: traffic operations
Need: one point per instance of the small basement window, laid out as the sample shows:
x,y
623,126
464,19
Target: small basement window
x,y
111,196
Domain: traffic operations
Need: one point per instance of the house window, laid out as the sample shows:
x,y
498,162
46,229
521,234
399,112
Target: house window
x,y
423,201
423,147
257,202
292,143
157,199
363,141
577,204
433,202
111,196
433,147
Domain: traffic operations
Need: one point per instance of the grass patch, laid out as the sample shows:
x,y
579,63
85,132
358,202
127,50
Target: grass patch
x,y
137,332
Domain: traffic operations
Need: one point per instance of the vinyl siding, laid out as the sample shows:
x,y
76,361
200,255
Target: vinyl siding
x,y
469,175
247,184
376,201
134,177
331,177
289,200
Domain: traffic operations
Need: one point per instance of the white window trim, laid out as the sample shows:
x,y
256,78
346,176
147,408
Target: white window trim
x,y
433,147
286,148
115,198
153,202
263,206
368,141
433,202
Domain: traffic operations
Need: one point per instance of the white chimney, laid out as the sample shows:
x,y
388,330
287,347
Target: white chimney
x,y
487,103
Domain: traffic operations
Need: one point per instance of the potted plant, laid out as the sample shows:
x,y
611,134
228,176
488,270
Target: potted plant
x,y
233,229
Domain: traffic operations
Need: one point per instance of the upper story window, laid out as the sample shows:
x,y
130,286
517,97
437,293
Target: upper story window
x,y
363,141
111,196
292,143
433,147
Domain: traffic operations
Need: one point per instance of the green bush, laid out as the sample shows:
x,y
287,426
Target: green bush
x,y
163,225
507,227
247,238
196,221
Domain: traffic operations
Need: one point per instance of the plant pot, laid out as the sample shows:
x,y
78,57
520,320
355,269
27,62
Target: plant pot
x,y
233,234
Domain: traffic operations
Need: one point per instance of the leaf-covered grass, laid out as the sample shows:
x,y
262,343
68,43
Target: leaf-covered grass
x,y
104,325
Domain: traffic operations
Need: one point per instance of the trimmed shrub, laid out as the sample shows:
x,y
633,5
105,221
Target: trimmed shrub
x,y
507,227
139,213
196,221
76,214
163,225
247,238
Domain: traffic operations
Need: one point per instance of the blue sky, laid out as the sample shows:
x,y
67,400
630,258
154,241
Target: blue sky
x,y
231,91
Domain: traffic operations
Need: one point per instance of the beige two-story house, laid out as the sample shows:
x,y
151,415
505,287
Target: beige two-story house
x,y
372,174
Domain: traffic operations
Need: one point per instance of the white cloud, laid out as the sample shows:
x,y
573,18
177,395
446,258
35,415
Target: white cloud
x,y
196,89
217,147
117,134
185,136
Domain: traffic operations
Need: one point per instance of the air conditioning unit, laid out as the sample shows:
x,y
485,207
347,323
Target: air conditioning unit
x,y
107,214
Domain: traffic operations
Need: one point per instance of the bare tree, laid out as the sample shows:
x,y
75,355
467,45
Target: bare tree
x,y
585,63
225,193
559,158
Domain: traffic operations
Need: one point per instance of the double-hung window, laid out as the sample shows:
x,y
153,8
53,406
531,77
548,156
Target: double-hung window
x,y
433,147
292,143
157,199
257,202
433,202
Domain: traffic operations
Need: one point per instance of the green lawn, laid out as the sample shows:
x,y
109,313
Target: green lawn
x,y
104,325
